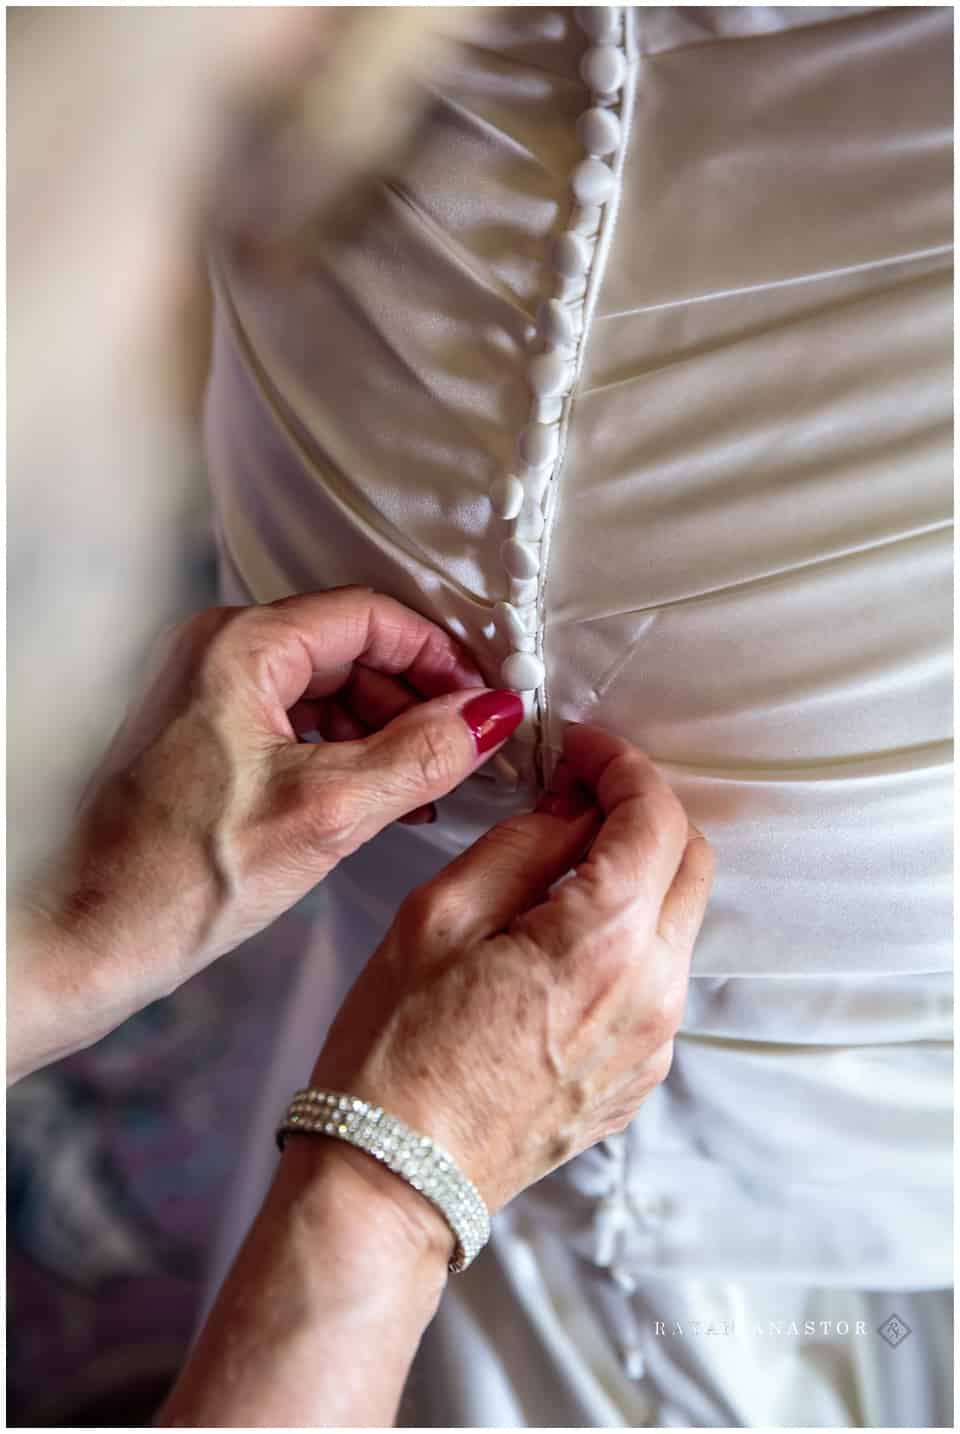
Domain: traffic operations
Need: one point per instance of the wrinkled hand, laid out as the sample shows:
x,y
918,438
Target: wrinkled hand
x,y
517,1025
209,818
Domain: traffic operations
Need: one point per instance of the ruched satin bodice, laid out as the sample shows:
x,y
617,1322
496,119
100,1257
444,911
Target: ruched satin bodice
x,y
745,564
746,567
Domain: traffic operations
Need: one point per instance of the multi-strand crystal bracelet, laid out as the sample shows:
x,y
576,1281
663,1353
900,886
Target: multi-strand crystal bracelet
x,y
412,1156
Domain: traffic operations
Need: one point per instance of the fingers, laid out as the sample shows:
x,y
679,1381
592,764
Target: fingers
x,y
366,702
376,699
347,625
644,832
634,860
647,869
348,791
685,904
307,645
433,746
328,720
507,870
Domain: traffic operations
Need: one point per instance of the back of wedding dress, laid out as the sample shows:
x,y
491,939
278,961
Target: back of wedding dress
x,y
671,452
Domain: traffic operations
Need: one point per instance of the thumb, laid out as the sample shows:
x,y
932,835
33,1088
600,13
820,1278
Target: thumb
x,y
508,869
421,755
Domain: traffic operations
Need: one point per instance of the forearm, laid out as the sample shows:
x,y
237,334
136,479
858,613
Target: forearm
x,y
93,942
321,1315
60,995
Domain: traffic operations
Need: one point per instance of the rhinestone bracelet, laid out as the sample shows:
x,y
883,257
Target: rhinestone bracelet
x,y
412,1156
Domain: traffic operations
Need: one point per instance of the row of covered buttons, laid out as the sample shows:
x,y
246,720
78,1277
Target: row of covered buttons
x,y
628,1220
518,498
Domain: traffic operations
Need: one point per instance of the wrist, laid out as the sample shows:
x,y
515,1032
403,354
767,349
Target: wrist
x,y
94,941
69,984
386,1221
53,993
321,1315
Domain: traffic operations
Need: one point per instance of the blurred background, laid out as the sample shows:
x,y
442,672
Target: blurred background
x,y
132,132
117,1158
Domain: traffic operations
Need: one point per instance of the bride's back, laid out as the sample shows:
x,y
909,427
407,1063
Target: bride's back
x,y
676,461
737,550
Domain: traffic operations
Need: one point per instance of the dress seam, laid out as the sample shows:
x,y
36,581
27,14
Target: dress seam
x,y
819,276
865,12
544,754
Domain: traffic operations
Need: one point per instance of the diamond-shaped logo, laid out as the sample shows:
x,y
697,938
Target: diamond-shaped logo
x,y
894,1330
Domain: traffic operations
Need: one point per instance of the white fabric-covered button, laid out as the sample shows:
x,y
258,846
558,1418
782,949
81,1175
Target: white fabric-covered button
x,y
600,22
592,182
512,628
529,523
598,131
547,410
522,671
523,591
550,373
571,255
557,325
506,496
520,559
571,291
536,483
539,444
604,69
634,1364
585,218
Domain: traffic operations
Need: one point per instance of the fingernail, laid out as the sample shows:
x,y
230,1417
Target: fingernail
x,y
491,717
572,800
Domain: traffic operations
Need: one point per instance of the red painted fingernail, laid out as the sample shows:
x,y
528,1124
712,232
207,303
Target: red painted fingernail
x,y
491,717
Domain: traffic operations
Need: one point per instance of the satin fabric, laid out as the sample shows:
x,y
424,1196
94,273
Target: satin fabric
x,y
747,571
765,1183
748,559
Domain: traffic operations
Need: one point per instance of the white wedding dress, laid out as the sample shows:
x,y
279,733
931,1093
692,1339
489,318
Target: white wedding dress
x,y
685,473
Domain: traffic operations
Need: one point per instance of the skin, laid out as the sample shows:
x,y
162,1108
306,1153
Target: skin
x,y
515,1018
583,984
208,818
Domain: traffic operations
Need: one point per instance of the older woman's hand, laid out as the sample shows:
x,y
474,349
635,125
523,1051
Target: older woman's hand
x,y
517,1027
515,1020
209,818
